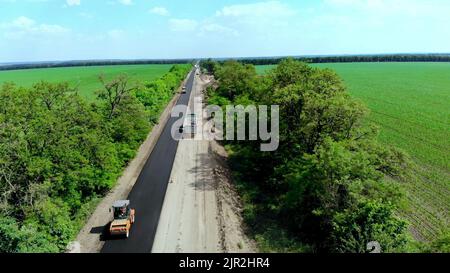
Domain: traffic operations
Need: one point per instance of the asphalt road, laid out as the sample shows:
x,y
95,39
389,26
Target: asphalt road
x,y
147,195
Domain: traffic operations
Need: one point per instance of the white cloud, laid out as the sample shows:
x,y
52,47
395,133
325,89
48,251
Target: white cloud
x,y
182,24
116,33
28,1
126,2
24,26
86,15
243,20
391,7
23,22
257,19
73,2
382,16
342,2
218,29
159,11
55,29
261,9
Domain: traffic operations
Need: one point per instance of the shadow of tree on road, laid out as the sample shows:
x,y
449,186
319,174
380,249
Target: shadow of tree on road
x,y
204,172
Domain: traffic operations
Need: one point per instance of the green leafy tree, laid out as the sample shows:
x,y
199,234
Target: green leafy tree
x,y
370,221
325,183
59,152
9,234
209,65
114,92
235,78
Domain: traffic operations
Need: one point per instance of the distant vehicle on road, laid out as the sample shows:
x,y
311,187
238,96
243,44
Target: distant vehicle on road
x,y
193,119
124,217
183,90
189,126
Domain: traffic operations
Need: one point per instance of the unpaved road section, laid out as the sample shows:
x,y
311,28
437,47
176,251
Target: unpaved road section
x,y
201,211
91,238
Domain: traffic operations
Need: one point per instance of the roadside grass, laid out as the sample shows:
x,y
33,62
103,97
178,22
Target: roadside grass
x,y
410,104
85,77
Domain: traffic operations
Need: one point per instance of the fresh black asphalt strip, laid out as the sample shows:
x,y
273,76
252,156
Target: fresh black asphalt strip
x,y
147,195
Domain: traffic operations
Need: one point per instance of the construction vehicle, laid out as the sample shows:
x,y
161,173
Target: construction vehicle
x,y
124,217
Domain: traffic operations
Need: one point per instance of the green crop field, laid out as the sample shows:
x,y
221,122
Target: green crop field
x,y
410,102
85,77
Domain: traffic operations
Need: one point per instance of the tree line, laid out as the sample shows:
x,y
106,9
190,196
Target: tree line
x,y
348,59
16,66
59,153
255,61
325,188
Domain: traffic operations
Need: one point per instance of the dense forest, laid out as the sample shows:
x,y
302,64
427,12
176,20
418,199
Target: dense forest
x,y
59,153
350,59
323,190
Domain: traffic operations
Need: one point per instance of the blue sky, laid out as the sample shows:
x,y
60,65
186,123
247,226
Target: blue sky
x,y
39,30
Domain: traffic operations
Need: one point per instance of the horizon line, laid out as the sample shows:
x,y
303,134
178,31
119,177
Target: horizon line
x,y
217,58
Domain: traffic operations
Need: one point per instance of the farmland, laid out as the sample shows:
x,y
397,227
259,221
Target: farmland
x,y
409,102
85,78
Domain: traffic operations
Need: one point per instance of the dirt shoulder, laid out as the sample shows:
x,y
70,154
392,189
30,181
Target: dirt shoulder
x,y
233,235
89,239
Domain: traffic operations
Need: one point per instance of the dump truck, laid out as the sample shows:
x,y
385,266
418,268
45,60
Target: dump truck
x,y
124,217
